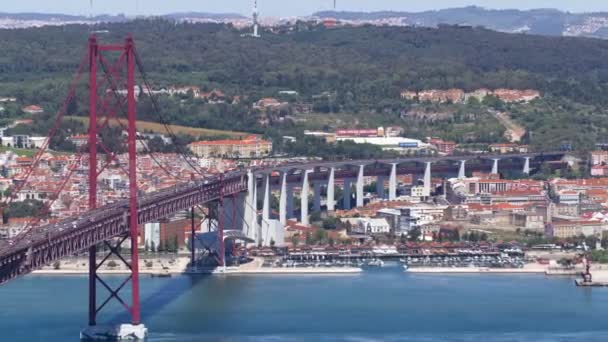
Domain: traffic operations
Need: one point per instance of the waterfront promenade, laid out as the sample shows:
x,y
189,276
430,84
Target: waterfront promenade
x,y
179,265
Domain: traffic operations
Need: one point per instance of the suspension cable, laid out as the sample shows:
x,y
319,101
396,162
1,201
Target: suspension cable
x,y
114,89
161,118
52,131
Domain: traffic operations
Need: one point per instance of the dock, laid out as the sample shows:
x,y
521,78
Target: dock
x,y
583,283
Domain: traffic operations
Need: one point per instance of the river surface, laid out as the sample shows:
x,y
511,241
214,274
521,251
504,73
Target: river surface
x,y
377,305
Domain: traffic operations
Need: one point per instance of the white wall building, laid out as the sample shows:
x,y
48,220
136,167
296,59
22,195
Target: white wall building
x,y
23,141
388,143
417,191
569,197
367,225
152,235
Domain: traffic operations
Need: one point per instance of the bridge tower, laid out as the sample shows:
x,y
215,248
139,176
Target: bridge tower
x,y
107,97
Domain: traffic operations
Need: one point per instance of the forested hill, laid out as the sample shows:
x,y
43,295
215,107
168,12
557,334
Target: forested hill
x,y
357,72
372,63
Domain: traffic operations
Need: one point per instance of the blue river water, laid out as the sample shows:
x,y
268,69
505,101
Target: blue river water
x,y
378,305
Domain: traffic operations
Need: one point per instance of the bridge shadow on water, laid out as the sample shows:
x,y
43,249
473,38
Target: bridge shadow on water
x,y
156,301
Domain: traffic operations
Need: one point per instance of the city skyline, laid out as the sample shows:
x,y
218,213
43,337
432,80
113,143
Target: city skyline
x,y
277,8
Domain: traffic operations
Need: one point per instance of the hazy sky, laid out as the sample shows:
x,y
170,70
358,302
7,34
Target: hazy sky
x,y
280,7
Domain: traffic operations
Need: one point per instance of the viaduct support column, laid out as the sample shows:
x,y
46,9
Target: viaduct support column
x,y
331,204
392,183
304,198
427,180
283,200
248,210
462,173
495,166
253,207
360,187
346,194
527,166
266,207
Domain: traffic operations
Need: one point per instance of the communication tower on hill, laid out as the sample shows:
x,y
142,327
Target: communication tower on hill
x,y
255,20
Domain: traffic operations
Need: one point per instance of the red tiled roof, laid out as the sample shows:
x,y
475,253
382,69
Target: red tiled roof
x,y
32,108
251,140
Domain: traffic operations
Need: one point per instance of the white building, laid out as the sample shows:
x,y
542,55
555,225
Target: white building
x,y
599,157
23,141
388,143
9,231
367,225
30,194
417,215
569,197
152,235
115,181
418,191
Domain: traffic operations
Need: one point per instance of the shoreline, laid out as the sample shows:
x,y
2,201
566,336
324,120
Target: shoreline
x,y
181,268
165,267
277,270
474,270
265,270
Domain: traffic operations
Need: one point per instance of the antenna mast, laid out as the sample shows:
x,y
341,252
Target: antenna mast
x,y
255,19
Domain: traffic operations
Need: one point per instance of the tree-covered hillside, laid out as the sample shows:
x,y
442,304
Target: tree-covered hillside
x,y
363,70
370,62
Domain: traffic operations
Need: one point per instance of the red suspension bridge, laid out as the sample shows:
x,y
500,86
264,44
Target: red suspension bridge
x,y
111,69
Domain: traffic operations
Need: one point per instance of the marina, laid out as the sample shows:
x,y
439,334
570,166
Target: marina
x,y
459,258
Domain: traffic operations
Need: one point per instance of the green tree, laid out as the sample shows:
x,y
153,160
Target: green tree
x,y
294,240
330,222
320,236
414,234
309,240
